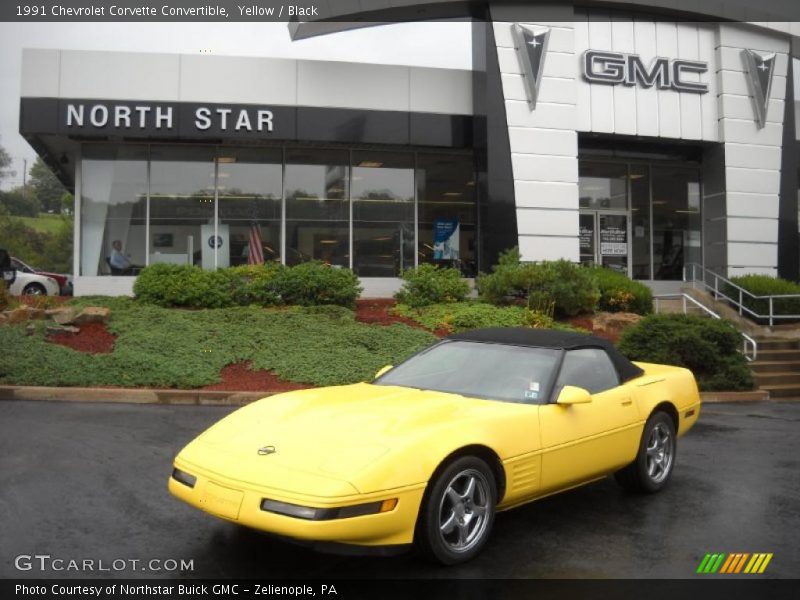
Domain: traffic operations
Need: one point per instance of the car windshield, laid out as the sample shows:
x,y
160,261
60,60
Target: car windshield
x,y
483,370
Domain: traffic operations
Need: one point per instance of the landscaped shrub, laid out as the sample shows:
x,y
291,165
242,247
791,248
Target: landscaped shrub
x,y
571,287
708,347
186,285
257,284
463,316
312,283
764,285
619,293
5,297
429,284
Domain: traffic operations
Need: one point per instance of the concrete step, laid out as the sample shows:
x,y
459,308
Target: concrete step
x,y
783,354
782,391
777,344
779,378
774,366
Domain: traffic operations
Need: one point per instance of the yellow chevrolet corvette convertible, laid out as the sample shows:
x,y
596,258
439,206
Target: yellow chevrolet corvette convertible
x,y
430,450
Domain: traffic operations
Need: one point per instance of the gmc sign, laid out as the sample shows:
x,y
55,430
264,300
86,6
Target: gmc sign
x,y
613,68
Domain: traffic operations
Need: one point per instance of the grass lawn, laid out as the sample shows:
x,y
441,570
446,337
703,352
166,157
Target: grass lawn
x,y
158,347
44,223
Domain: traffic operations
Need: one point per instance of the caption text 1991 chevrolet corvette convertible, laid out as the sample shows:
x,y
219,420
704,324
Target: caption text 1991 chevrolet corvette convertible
x,y
429,451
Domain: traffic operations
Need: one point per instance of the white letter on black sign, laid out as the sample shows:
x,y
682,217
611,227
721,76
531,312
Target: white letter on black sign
x,y
101,112
202,119
160,116
122,113
142,110
223,113
243,122
265,118
74,115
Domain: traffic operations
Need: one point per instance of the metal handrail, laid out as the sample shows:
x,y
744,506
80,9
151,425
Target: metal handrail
x,y
742,292
746,339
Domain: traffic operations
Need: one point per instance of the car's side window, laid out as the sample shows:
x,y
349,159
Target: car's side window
x,y
589,368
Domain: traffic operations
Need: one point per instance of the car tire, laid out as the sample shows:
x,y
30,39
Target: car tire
x,y
457,512
34,289
655,460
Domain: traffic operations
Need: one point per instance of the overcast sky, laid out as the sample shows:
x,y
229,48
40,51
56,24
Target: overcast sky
x,y
419,44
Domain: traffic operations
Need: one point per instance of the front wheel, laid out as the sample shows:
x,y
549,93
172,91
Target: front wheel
x,y
457,514
656,457
34,289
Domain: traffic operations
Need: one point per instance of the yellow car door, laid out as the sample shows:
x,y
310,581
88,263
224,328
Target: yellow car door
x,y
584,441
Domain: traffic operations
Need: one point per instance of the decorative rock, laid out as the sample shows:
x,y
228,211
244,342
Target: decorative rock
x,y
93,314
64,315
24,313
56,329
30,329
606,320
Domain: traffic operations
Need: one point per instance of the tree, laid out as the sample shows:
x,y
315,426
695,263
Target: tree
x,y
48,189
20,204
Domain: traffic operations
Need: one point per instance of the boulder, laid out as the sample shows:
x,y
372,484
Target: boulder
x,y
23,314
605,320
92,314
63,315
55,329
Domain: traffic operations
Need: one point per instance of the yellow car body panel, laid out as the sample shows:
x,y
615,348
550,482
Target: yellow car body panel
x,y
348,445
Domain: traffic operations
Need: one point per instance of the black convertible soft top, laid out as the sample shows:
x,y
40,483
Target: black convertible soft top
x,y
551,338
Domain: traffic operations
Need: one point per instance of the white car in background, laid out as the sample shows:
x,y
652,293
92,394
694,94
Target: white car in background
x,y
33,284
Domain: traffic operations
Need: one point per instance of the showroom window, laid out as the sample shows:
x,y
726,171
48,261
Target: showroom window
x,y
317,206
250,189
375,211
182,229
383,213
113,210
447,211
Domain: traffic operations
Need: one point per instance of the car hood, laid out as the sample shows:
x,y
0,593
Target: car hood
x,y
324,438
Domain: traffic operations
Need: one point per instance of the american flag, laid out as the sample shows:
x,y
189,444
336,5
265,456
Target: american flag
x,y
255,255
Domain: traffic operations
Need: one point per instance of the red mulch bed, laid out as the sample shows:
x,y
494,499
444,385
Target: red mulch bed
x,y
93,338
41,301
239,378
376,311
612,335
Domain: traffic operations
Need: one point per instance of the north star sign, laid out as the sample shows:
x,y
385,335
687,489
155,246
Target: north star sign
x,y
614,68
146,117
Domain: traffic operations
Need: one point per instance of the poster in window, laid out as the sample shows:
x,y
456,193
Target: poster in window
x,y
613,240
446,242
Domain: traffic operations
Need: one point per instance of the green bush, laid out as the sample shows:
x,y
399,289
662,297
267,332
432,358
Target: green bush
x,y
707,347
186,285
429,284
463,316
313,283
764,285
619,293
570,287
257,284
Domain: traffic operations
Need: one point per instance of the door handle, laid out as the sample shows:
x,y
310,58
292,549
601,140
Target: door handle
x,y
627,402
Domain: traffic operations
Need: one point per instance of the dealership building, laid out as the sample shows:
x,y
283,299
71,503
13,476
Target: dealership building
x,y
614,138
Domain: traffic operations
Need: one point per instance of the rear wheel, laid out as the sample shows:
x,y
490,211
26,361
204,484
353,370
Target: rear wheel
x,y
656,457
457,514
34,289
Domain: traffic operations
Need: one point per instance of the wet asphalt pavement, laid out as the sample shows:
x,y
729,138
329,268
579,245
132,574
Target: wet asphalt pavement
x,y
89,481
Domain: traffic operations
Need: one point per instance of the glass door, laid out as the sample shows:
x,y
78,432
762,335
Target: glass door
x,y
604,238
613,241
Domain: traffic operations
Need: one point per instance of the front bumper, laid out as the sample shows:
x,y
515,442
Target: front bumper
x,y
240,502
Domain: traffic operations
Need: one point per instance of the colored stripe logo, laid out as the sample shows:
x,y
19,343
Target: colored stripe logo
x,y
734,563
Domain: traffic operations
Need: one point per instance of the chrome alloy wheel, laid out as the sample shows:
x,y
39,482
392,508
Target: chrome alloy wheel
x,y
660,452
463,510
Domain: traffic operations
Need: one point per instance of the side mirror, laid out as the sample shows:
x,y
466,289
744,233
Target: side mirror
x,y
573,395
383,370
